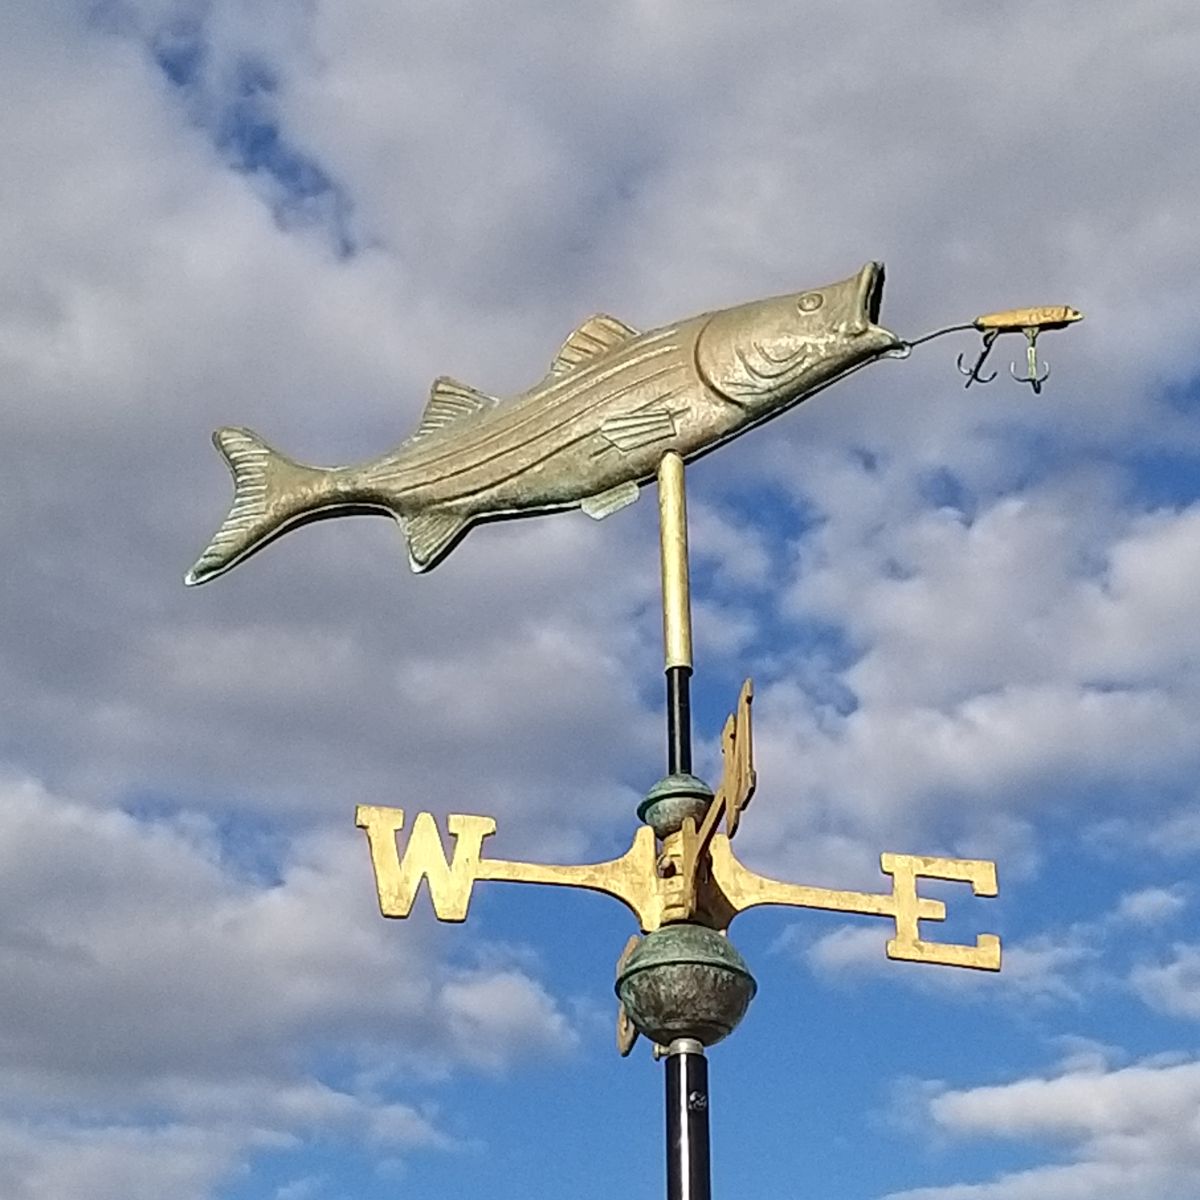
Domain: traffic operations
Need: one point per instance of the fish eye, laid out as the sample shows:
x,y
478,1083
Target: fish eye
x,y
810,302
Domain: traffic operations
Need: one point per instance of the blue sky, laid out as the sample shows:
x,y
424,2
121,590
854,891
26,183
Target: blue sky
x,y
971,616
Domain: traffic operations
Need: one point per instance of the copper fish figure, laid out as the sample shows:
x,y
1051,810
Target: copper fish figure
x,y
588,435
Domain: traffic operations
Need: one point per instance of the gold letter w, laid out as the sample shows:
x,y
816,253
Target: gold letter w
x,y
398,878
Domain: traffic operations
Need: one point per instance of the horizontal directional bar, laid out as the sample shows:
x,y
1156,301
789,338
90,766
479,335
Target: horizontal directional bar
x,y
640,880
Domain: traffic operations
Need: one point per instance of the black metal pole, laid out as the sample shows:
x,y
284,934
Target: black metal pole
x,y
679,720
687,1122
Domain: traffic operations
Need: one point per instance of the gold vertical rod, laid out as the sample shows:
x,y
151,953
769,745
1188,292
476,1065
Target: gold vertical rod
x,y
677,612
672,526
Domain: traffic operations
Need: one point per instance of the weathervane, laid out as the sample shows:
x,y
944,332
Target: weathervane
x,y
618,409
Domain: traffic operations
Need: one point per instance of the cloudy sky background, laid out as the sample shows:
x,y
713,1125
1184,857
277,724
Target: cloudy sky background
x,y
971,616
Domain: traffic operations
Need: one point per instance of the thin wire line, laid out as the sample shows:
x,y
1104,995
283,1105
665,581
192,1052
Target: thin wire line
x,y
938,333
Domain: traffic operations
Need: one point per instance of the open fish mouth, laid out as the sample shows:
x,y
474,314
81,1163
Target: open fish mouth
x,y
870,301
870,295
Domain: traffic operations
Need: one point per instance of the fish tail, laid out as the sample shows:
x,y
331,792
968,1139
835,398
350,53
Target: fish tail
x,y
269,493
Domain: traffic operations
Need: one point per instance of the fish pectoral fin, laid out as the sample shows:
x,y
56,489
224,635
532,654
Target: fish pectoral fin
x,y
604,504
450,402
596,336
431,536
631,431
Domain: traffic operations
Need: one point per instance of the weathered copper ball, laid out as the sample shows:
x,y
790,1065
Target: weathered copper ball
x,y
672,800
685,981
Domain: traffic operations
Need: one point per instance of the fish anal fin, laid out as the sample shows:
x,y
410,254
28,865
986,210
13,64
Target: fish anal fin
x,y
431,536
604,504
631,431
596,336
449,403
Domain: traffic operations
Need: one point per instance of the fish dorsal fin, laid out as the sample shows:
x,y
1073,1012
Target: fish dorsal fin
x,y
597,335
451,401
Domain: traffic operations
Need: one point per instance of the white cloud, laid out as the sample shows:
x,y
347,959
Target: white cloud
x,y
1072,964
144,972
150,297
114,1161
175,961
998,667
1172,987
499,1014
1082,1055
1178,834
180,303
1133,1131
1039,969
1152,905
739,550
849,948
307,1188
1044,968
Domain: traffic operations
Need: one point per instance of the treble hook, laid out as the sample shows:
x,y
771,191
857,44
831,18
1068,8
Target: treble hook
x,y
972,373
1030,322
1031,376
